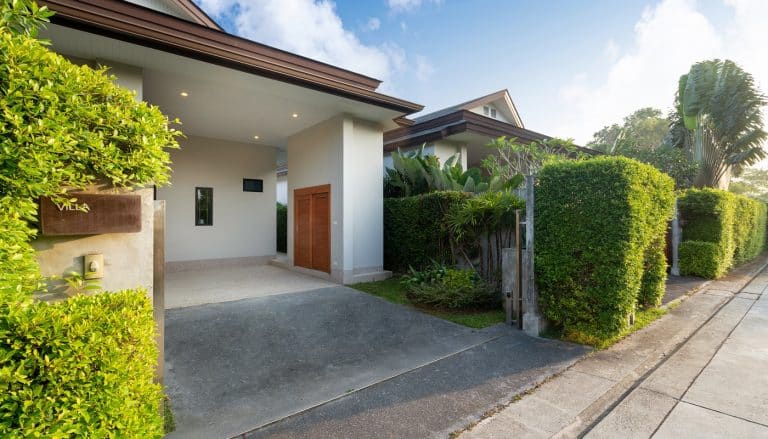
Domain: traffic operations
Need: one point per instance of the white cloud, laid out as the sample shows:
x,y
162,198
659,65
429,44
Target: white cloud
x,y
668,38
408,5
611,50
313,29
373,24
306,27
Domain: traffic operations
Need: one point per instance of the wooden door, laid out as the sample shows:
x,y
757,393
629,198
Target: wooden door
x,y
312,228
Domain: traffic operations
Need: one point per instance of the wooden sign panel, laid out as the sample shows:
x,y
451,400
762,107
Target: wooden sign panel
x,y
106,214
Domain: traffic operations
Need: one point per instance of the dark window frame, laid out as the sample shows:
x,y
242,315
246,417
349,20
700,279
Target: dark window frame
x,y
208,215
257,181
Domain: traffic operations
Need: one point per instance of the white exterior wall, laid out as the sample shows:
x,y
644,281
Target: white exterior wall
x,y
445,150
346,154
314,159
244,223
364,201
499,115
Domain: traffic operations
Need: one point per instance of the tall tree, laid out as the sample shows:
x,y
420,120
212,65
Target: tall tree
x,y
644,136
646,128
719,120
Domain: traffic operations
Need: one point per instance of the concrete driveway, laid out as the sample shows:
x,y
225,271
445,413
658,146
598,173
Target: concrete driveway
x,y
235,366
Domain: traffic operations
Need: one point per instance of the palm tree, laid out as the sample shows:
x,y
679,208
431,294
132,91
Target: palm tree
x,y
719,120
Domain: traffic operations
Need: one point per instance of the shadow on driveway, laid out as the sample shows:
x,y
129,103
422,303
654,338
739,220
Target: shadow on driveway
x,y
234,367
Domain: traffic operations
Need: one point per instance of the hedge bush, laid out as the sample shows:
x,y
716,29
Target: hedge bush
x,y
599,224
699,258
282,228
734,224
83,367
414,230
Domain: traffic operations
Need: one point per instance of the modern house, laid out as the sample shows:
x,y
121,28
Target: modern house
x,y
242,104
463,129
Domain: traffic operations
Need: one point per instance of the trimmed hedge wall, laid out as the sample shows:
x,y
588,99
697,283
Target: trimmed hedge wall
x,y
600,225
414,234
734,224
83,367
282,228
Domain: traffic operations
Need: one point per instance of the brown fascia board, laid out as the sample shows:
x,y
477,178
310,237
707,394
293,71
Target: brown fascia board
x,y
146,27
458,122
195,11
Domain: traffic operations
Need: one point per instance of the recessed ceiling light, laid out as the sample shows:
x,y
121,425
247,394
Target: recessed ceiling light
x,y
256,137
184,94
295,115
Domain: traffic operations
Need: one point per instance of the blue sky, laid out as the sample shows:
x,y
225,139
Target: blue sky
x,y
570,66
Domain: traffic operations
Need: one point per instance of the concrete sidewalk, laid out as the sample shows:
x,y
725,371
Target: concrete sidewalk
x,y
696,372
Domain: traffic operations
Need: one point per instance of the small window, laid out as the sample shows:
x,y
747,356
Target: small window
x,y
486,110
253,185
493,113
203,206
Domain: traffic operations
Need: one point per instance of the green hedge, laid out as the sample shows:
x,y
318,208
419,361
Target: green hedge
x,y
82,367
699,258
414,231
600,225
734,224
282,228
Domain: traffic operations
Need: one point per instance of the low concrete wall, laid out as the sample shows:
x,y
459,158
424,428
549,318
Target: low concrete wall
x,y
127,256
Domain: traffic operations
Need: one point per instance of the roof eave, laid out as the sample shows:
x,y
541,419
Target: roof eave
x,y
146,27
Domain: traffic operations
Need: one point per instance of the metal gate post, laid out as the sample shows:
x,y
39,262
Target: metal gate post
x,y
158,286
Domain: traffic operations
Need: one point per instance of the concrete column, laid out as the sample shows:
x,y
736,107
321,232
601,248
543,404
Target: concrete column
x,y
676,238
533,321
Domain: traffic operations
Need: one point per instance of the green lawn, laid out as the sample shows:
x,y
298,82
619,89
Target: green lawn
x,y
393,291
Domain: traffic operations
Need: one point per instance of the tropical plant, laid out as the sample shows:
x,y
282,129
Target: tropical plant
x,y
454,289
414,173
484,225
719,120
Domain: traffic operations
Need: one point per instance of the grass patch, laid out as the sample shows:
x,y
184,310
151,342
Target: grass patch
x,y
392,290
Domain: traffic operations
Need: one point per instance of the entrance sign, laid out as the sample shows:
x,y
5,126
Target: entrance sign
x,y
105,213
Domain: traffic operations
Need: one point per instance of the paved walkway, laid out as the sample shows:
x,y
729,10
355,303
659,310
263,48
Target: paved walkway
x,y
700,371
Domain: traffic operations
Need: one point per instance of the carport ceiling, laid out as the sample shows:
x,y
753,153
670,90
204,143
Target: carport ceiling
x,y
221,103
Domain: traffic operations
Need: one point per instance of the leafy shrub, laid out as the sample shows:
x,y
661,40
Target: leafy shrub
x,y
484,225
83,367
749,229
699,258
414,231
282,228
598,225
653,286
431,274
453,289
735,224
708,216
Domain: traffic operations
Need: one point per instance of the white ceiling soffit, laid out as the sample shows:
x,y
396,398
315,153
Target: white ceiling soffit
x,y
222,103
